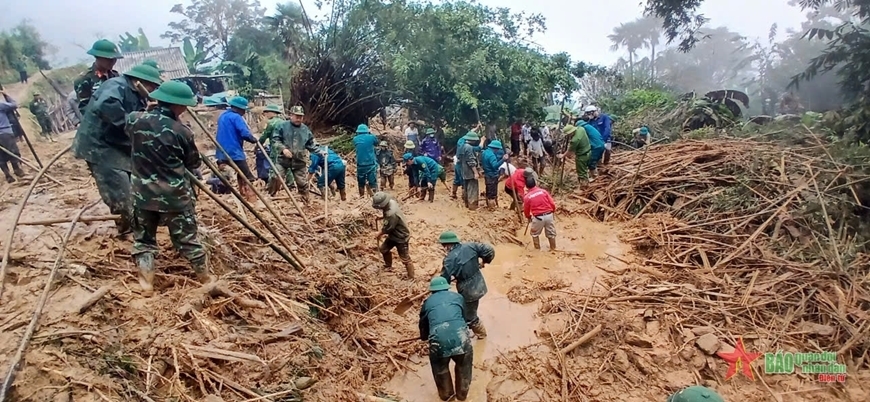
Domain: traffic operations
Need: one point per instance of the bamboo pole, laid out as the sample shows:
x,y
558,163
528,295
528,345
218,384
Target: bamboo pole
x,y
298,263
56,221
325,184
18,211
226,207
28,164
286,187
15,364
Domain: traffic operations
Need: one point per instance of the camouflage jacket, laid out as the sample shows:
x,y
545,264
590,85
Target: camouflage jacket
x,y
100,137
298,139
88,82
163,149
271,126
39,108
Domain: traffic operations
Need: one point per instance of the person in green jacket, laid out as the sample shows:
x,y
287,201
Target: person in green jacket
x,y
396,231
695,393
39,108
86,85
293,140
442,324
101,141
272,113
581,148
386,164
469,167
463,263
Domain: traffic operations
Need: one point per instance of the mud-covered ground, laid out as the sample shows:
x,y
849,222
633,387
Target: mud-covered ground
x,y
333,323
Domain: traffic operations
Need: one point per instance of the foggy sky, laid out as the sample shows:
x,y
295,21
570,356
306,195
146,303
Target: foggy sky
x,y
577,27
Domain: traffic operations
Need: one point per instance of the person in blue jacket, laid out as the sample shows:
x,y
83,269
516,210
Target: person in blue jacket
x,y
596,142
457,174
430,173
491,159
443,326
335,170
232,131
604,124
366,161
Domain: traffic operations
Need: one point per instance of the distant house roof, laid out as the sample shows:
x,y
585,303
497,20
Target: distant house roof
x,y
170,60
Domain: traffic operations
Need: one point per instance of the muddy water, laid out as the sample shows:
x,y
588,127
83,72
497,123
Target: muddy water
x,y
583,244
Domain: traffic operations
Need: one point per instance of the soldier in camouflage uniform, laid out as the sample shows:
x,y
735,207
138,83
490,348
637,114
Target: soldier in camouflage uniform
x,y
293,141
86,85
273,114
163,151
103,144
39,108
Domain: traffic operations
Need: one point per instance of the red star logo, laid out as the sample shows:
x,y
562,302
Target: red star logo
x,y
739,359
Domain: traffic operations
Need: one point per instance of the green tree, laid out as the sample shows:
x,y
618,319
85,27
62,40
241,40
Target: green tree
x,y
130,43
289,23
213,23
631,37
30,44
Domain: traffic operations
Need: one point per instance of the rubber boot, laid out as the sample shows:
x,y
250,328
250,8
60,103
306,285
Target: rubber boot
x,y
552,243
5,169
306,198
343,194
388,261
369,191
17,169
123,226
537,242
409,269
445,385
145,263
431,195
423,193
478,329
362,192
453,195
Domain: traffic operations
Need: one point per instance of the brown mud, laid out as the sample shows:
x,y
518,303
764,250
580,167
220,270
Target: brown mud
x,y
333,323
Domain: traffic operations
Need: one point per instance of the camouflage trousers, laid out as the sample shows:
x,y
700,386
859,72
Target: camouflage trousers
x,y
297,173
114,187
182,231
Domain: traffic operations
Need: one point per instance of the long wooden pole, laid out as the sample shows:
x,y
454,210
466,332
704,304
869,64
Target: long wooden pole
x,y
84,219
286,188
298,264
325,183
16,363
244,222
18,211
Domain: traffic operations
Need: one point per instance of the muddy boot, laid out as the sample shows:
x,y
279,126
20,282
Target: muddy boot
x,y
5,169
343,194
409,269
552,243
453,194
369,191
306,198
362,192
422,194
388,261
478,329
431,195
17,169
145,263
123,226
537,242
445,385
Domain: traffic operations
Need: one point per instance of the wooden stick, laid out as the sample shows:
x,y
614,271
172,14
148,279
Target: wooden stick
x,y
18,212
30,165
585,338
326,184
285,187
84,219
15,363
293,262
95,297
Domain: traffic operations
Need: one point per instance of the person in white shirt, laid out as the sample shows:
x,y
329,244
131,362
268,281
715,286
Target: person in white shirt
x,y
548,139
536,151
527,136
412,135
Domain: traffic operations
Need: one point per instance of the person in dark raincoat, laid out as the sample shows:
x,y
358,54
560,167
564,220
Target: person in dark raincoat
x,y
430,146
491,159
366,162
442,324
396,231
469,167
335,170
429,172
463,263
386,164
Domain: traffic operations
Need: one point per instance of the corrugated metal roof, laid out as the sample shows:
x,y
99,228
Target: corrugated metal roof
x,y
170,60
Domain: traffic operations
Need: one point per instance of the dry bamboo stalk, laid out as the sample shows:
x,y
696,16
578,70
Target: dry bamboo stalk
x,y
84,219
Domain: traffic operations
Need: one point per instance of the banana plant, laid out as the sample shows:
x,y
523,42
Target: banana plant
x,y
194,56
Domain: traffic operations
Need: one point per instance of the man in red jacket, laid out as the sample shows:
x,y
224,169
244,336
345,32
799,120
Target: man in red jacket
x,y
539,209
516,137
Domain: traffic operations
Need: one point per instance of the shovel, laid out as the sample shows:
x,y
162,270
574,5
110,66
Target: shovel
x,y
409,302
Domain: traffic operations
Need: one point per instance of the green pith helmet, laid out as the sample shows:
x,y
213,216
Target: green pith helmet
x,y
35,94
430,131
174,92
495,144
153,63
273,109
407,156
362,129
410,144
239,102
106,49
569,129
145,73
297,110
438,283
472,136
696,393
448,237
384,144
380,200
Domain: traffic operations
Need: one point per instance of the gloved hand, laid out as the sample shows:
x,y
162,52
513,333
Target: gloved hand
x,y
430,185
287,154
